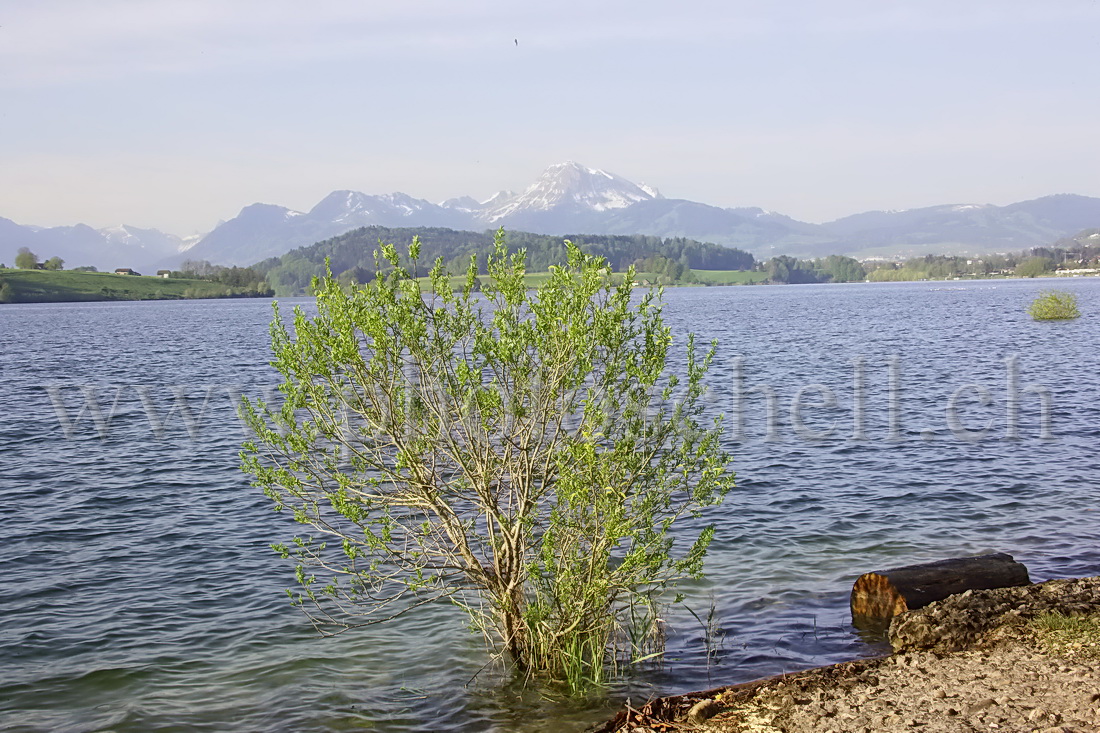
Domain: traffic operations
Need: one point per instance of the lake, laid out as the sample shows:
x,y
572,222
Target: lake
x,y
871,425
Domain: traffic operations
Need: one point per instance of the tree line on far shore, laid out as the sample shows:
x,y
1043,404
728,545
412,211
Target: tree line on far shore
x,y
668,261
246,280
1080,251
27,260
351,259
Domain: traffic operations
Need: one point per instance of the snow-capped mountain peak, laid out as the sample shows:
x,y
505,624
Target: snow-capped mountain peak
x,y
571,185
341,205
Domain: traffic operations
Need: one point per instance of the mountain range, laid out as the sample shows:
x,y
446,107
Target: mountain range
x,y
570,198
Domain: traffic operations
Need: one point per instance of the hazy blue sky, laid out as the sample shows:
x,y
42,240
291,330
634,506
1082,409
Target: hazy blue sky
x,y
177,114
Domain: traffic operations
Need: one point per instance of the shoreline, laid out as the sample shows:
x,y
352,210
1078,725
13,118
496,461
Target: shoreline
x,y
23,286
970,662
182,289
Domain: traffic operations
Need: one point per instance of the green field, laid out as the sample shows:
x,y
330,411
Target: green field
x,y
729,277
61,286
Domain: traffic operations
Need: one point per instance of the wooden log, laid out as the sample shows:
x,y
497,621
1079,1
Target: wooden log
x,y
880,595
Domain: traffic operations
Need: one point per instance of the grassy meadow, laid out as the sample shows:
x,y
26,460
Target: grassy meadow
x,y
729,277
67,286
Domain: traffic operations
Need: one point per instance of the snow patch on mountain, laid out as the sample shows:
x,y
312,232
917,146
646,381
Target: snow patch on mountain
x,y
500,198
151,241
353,207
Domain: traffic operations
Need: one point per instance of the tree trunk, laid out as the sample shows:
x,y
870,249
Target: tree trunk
x,y
513,627
880,595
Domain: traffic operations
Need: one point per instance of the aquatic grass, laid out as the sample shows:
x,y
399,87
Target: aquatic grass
x,y
713,633
644,631
1054,305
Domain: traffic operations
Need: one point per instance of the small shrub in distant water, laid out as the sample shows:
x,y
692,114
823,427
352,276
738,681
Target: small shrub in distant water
x,y
1054,305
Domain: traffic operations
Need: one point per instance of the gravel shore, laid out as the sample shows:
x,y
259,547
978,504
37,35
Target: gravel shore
x,y
972,662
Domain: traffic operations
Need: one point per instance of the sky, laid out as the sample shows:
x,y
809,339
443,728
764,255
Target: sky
x,y
176,114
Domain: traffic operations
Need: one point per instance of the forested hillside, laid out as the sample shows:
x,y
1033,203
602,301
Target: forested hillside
x,y
351,255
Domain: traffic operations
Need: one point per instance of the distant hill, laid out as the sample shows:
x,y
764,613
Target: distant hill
x,y
351,254
960,228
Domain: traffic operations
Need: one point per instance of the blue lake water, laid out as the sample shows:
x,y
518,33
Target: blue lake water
x,y
911,422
